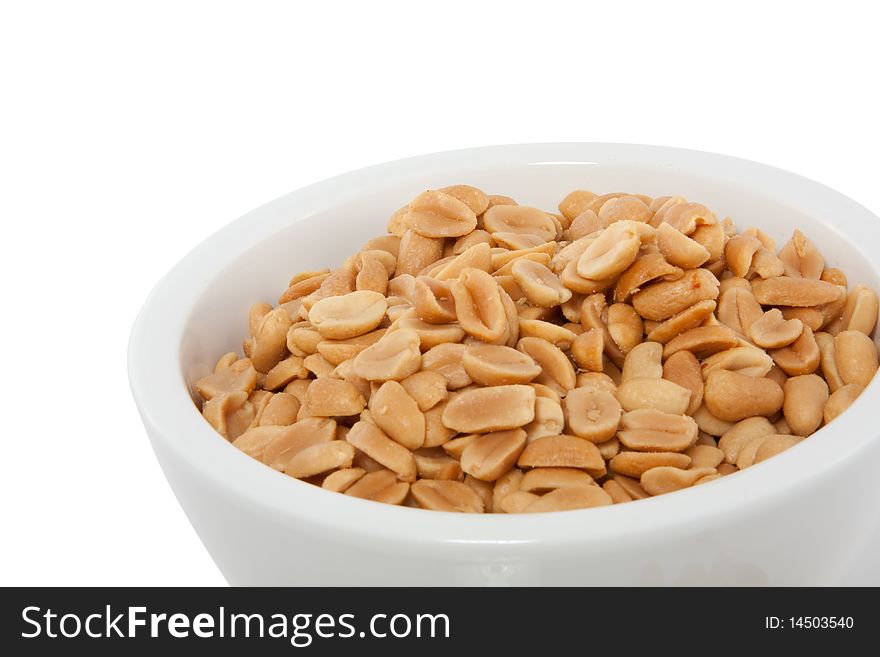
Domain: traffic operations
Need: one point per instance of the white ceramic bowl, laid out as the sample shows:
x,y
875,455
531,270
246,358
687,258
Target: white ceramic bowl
x,y
808,516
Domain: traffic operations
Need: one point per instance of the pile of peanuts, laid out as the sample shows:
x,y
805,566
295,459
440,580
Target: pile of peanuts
x,y
486,356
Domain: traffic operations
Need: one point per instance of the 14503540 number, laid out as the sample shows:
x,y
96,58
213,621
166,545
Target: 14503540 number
x,y
821,622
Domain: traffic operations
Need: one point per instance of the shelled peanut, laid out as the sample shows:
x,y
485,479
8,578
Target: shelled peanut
x,y
486,356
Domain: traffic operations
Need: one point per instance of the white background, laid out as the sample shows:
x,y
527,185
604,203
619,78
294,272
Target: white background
x,y
130,131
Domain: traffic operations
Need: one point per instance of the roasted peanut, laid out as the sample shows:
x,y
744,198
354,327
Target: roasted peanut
x,y
540,285
438,467
731,396
805,398
575,203
276,445
557,372
328,397
218,409
239,376
860,313
611,253
704,456
587,349
570,498
446,360
562,452
634,464
738,309
373,442
319,458
646,268
416,252
679,249
280,410
745,360
592,413
491,409
650,430
741,433
800,357
632,486
491,455
773,445
616,491
519,219
269,344
660,394
702,341
432,301
840,400
544,480
398,415
643,362
772,330
394,357
349,315
478,304
549,419
660,301
625,326
684,216
379,486
683,368
801,258
442,495
439,214
341,480
798,292
427,388
681,322
624,208
856,357
492,365
665,479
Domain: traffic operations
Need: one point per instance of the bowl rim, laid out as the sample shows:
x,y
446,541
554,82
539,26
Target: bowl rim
x,y
162,395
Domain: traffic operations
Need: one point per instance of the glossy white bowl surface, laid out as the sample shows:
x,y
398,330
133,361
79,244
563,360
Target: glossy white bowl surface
x,y
809,516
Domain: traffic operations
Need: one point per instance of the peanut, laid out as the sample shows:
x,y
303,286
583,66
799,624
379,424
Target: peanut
x,y
651,430
772,330
491,409
557,372
491,455
635,464
398,415
840,400
856,357
439,214
540,285
562,452
519,219
544,480
492,365
373,442
441,495
394,357
805,398
592,413
660,394
731,396
570,498
319,458
665,479
660,301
